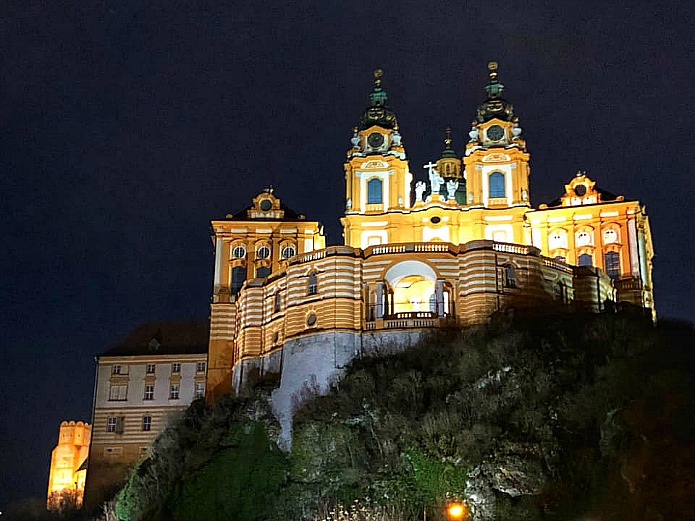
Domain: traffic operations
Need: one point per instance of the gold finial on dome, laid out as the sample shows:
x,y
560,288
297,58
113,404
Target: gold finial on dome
x,y
447,139
378,73
492,66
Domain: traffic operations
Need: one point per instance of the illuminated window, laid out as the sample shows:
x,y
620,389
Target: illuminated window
x,y
278,301
200,367
199,390
238,252
115,369
263,252
118,392
312,287
557,239
496,184
174,392
238,278
374,191
176,368
146,423
111,424
611,261
585,259
509,276
262,272
288,251
149,392
610,236
150,369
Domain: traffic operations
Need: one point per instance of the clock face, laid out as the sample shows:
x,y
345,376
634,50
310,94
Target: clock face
x,y
375,140
495,133
580,190
266,205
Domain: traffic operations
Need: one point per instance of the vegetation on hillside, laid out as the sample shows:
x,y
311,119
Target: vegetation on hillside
x,y
556,419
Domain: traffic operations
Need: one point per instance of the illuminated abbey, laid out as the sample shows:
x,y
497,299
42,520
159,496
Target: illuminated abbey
x,y
416,256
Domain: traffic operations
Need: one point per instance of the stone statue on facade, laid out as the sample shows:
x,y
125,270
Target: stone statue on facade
x,y
451,186
420,188
436,181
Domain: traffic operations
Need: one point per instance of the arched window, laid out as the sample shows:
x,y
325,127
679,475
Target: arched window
x,y
496,184
312,287
560,258
374,191
509,276
585,259
611,261
278,301
238,278
262,272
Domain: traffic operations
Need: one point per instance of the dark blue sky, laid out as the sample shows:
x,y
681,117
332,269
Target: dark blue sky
x,y
125,129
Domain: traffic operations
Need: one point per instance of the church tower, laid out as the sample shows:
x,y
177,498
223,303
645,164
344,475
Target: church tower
x,y
496,161
377,178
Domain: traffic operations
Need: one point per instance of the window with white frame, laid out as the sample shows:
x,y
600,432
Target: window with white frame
x,y
288,251
176,368
111,424
150,369
200,367
238,251
116,369
263,252
149,392
174,391
199,390
146,423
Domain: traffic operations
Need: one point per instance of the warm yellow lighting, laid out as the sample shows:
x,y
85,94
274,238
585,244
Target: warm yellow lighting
x,y
456,511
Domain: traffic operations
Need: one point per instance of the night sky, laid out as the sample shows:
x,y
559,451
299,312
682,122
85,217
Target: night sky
x,y
125,129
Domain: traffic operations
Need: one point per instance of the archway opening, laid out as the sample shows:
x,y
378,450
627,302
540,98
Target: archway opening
x,y
414,293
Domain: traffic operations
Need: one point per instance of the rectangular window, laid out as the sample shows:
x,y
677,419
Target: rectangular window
x,y
175,368
111,424
146,423
115,369
374,191
200,367
149,392
312,287
118,392
150,369
199,390
174,392
611,261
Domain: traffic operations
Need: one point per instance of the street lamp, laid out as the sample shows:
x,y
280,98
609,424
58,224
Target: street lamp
x,y
455,510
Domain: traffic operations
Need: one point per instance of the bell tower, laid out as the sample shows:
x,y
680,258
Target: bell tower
x,y
496,160
377,178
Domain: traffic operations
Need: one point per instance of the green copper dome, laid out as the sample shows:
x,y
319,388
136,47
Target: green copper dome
x,y
378,113
495,106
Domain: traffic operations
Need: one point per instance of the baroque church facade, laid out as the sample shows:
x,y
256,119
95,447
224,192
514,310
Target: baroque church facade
x,y
448,253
